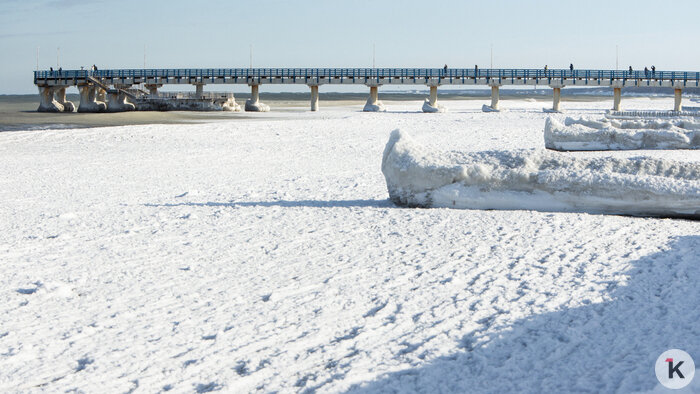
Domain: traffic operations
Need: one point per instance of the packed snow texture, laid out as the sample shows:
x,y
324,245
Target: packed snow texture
x,y
538,180
587,133
261,254
433,108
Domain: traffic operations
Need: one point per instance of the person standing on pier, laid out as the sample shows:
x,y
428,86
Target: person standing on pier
x,y
653,69
476,70
445,68
630,71
571,67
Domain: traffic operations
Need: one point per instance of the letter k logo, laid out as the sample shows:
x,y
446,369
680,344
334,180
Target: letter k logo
x,y
672,369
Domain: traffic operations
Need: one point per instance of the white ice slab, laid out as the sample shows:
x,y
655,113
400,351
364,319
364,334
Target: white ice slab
x,y
613,134
539,180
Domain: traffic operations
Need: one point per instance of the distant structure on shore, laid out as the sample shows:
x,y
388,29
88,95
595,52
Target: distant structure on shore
x,y
115,91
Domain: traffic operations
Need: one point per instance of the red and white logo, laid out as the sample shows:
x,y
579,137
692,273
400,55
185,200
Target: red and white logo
x,y
675,369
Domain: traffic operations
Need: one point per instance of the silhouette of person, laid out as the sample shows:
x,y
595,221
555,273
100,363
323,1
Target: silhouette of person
x,y
571,67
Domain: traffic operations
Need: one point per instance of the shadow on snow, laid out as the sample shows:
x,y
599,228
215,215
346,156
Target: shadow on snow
x,y
287,204
606,347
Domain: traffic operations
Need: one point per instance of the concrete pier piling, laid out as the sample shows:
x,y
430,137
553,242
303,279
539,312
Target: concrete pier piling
x,y
88,101
53,99
153,88
373,104
199,90
433,96
253,104
314,97
431,104
118,100
677,106
617,98
556,99
494,97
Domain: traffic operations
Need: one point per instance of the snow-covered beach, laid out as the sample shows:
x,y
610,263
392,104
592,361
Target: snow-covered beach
x,y
265,255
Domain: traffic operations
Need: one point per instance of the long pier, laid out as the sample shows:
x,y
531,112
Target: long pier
x,y
119,84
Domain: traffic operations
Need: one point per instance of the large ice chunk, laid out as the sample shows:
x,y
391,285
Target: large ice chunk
x,y
433,108
614,134
538,180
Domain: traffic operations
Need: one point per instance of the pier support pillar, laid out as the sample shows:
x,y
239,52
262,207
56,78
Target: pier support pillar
x,y
556,99
431,103
373,104
118,101
47,102
314,97
253,104
433,96
87,100
677,100
199,90
153,89
617,97
100,94
494,97
60,95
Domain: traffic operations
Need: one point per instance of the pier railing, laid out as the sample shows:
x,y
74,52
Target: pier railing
x,y
371,73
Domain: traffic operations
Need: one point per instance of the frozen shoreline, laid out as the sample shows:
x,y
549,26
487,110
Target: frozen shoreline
x,y
257,255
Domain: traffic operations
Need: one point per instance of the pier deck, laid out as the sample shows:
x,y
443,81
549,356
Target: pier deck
x,y
118,81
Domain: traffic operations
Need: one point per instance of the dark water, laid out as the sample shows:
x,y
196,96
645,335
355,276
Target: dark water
x,y
18,112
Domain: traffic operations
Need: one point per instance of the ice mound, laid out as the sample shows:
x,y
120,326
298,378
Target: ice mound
x,y
256,106
538,180
376,106
433,108
231,105
488,108
616,134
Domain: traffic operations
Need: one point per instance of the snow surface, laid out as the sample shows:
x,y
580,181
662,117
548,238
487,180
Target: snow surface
x,y
538,180
588,133
263,254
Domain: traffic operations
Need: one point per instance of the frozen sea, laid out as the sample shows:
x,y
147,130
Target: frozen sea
x,y
261,253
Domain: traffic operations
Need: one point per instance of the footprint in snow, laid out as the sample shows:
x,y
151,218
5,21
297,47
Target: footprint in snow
x,y
31,290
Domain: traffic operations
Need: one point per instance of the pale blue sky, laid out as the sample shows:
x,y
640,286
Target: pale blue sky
x,y
179,34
